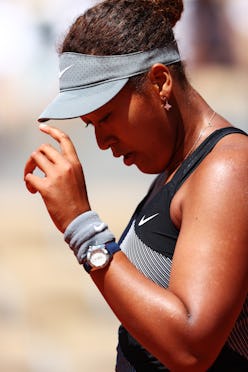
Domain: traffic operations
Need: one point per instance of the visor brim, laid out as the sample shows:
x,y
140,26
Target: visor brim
x,y
74,103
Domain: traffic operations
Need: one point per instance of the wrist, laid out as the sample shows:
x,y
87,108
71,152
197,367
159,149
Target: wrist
x,y
99,256
73,218
87,230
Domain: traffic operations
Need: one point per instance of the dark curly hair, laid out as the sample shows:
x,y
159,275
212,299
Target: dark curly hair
x,y
126,26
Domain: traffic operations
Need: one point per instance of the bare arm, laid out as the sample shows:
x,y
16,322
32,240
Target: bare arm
x,y
209,274
186,325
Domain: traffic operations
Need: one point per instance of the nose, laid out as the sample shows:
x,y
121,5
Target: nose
x,y
103,138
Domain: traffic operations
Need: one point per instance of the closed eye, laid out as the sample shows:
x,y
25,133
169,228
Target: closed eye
x,y
100,121
104,118
88,123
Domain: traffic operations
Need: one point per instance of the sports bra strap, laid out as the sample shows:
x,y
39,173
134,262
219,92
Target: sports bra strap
x,y
191,163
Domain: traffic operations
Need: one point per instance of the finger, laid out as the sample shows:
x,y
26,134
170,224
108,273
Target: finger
x,y
52,154
38,160
30,166
63,139
31,183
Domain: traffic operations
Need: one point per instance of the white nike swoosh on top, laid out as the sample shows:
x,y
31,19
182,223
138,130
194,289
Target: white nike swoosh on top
x,y
100,227
63,71
145,220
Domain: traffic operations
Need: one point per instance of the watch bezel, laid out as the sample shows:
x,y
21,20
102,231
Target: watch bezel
x,y
96,249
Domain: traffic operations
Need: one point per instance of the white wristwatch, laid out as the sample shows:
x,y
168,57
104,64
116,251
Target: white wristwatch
x,y
99,256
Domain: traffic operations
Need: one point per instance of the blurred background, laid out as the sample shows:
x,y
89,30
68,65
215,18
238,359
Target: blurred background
x,y
51,316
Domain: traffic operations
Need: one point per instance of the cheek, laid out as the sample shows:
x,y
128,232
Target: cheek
x,y
145,112
147,128
154,146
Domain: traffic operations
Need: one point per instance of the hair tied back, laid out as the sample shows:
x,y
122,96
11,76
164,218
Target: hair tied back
x,y
171,9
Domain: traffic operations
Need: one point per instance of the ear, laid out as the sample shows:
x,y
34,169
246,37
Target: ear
x,y
161,78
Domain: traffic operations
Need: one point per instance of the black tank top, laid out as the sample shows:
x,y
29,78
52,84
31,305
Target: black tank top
x,y
149,242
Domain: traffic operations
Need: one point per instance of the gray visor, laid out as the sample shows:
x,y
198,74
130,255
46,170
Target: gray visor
x,y
88,82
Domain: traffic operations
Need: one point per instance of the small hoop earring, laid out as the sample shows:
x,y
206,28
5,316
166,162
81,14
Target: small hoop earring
x,y
166,104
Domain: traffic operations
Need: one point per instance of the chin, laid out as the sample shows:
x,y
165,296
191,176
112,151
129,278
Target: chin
x,y
145,168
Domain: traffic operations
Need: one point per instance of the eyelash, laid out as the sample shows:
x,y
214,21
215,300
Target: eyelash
x,y
105,118
87,124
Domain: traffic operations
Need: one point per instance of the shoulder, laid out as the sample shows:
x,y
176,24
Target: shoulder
x,y
227,162
234,144
222,173
217,192
214,211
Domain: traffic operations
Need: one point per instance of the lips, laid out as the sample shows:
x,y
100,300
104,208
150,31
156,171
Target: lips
x,y
128,158
116,154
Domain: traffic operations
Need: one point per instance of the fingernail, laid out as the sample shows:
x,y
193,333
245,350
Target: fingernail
x,y
43,125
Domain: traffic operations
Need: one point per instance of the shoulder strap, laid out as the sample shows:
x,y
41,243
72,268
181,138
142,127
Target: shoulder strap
x,y
192,162
186,168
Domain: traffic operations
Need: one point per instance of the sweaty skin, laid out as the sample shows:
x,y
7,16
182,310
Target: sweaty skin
x,y
209,277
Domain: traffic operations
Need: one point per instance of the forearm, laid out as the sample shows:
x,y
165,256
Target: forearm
x,y
153,315
164,321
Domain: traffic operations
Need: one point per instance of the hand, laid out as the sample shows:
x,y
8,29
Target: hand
x,y
63,186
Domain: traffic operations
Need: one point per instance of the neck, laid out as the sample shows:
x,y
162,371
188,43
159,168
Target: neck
x,y
194,120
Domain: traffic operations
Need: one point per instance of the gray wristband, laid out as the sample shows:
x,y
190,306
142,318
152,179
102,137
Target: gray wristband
x,y
85,230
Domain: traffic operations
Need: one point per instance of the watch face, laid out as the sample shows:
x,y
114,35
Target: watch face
x,y
98,256
98,259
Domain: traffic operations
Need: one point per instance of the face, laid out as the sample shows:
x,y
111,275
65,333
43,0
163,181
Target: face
x,y
136,127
